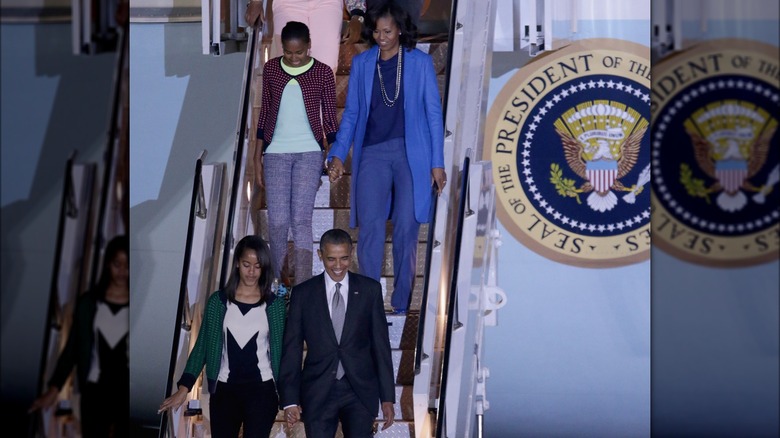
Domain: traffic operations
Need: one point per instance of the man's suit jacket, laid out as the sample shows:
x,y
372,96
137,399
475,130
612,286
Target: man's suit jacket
x,y
364,350
423,123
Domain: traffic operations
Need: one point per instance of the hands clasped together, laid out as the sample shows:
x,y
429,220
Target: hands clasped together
x,y
336,171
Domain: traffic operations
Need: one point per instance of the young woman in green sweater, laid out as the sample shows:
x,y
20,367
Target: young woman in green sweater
x,y
239,343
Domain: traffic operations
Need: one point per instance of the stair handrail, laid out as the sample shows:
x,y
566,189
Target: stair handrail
x,y
111,143
54,311
183,315
452,300
450,37
419,354
241,133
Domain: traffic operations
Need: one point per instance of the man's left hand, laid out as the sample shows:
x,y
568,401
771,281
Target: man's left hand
x,y
292,415
389,413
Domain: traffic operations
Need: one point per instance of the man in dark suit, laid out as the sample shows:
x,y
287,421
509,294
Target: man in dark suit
x,y
345,375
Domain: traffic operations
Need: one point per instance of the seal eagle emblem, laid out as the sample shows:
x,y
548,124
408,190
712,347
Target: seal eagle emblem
x,y
731,143
715,152
601,143
569,139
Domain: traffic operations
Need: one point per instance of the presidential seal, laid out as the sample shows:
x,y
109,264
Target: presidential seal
x,y
570,144
715,154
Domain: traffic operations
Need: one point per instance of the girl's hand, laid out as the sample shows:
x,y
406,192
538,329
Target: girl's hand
x,y
45,401
175,401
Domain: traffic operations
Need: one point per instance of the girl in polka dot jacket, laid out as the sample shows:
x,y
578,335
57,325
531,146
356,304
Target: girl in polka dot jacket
x,y
298,112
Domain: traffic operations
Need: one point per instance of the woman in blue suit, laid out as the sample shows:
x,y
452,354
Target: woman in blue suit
x,y
393,121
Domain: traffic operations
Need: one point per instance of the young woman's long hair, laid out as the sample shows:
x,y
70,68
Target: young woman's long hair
x,y
260,247
119,244
403,20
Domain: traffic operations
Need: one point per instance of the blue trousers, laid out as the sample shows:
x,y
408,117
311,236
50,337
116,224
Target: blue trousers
x,y
386,179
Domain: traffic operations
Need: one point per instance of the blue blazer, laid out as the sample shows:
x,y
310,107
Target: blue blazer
x,y
423,123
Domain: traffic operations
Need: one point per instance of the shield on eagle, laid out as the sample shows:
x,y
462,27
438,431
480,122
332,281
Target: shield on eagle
x,y
731,174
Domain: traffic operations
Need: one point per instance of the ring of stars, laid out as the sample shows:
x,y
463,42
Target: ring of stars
x,y
663,190
632,222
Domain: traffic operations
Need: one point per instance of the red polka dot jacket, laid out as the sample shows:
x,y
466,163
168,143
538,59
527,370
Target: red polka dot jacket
x,y
319,97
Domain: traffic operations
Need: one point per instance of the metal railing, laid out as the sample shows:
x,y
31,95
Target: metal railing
x,y
453,27
452,322
255,38
54,310
183,317
432,243
99,239
419,354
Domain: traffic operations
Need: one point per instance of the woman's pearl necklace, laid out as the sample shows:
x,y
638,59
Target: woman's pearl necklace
x,y
387,101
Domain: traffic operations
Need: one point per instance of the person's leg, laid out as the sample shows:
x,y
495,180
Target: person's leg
x,y
325,21
356,420
117,395
306,172
285,11
94,422
260,409
405,230
225,411
278,181
414,8
324,423
372,193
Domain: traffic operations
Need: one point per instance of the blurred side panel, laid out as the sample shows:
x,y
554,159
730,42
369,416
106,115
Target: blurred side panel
x,y
715,220
53,103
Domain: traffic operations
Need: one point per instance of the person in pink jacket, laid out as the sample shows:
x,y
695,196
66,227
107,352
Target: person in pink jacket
x,y
324,19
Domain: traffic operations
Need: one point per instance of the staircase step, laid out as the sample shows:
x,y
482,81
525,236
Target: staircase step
x,y
403,366
324,219
404,403
416,303
403,331
399,429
